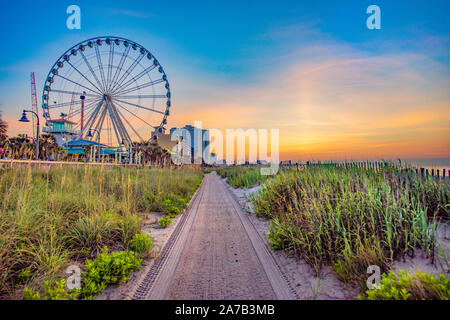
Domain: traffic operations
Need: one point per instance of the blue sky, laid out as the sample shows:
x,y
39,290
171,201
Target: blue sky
x,y
215,49
219,35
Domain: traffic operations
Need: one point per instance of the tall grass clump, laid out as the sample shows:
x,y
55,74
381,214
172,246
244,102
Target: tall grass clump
x,y
352,218
51,218
242,177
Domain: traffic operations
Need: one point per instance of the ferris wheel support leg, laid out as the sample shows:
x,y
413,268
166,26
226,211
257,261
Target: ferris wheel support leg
x,y
121,127
121,133
113,123
91,118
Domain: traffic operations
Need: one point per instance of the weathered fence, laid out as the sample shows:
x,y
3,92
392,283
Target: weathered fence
x,y
374,165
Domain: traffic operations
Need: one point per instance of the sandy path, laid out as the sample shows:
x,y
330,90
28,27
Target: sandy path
x,y
216,255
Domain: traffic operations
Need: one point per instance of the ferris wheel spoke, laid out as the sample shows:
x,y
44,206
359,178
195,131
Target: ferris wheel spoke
x,y
78,84
142,86
90,69
134,79
132,128
110,64
143,96
100,65
98,126
64,104
92,117
99,91
133,114
127,72
88,108
74,92
78,125
119,67
139,106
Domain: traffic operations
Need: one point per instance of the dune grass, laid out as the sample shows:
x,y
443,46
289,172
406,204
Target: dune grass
x,y
52,218
352,218
242,177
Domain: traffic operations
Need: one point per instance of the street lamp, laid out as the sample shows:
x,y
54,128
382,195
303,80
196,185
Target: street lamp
x,y
82,97
90,135
25,119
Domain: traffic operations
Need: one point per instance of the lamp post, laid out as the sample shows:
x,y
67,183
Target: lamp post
x,y
82,97
90,135
25,119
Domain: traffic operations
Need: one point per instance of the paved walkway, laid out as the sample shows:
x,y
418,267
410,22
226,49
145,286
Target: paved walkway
x,y
218,254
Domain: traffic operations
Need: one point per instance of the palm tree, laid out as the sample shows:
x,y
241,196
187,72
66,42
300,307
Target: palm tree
x,y
86,152
165,156
146,151
14,147
156,153
151,153
3,136
3,130
48,146
61,154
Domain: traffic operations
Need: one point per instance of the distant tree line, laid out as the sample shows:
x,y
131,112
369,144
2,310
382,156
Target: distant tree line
x,y
21,147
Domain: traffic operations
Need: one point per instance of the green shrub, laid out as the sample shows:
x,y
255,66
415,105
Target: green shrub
x,y
406,286
141,244
206,171
56,291
173,212
175,201
276,236
108,269
171,208
164,222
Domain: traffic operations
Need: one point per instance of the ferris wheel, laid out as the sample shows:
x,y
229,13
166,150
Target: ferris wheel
x,y
110,89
